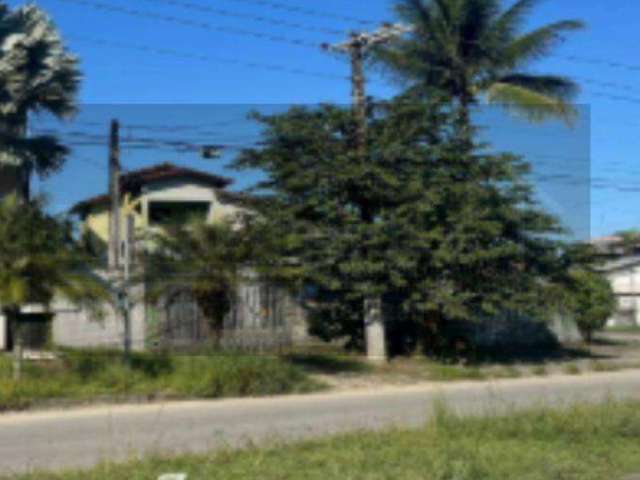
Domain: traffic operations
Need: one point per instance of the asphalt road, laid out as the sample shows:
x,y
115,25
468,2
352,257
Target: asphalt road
x,y
83,437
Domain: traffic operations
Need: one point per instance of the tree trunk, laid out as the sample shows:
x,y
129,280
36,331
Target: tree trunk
x,y
18,125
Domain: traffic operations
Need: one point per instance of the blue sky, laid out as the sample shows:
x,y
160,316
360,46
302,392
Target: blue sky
x,y
202,96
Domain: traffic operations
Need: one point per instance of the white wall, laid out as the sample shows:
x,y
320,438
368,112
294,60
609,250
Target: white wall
x,y
626,285
80,327
180,190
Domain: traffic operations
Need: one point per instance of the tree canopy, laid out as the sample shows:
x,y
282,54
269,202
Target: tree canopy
x,y
38,74
449,231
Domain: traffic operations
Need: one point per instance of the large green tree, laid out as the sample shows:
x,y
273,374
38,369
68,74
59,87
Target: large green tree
x,y
327,203
476,243
477,49
451,232
38,261
37,74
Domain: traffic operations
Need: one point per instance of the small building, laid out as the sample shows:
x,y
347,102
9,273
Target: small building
x,y
263,316
621,266
624,275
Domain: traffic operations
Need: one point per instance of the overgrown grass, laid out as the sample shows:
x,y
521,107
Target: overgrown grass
x,y
444,373
571,369
539,370
101,375
623,329
539,444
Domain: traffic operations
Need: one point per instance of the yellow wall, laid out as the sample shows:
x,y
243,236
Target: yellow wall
x,y
97,222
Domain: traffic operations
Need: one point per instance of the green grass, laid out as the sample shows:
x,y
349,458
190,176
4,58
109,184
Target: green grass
x,y
539,371
538,444
623,329
100,375
571,369
446,373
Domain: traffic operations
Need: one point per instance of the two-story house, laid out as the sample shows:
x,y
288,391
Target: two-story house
x,y
264,315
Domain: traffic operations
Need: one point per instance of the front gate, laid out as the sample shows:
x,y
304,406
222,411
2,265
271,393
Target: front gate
x,y
184,323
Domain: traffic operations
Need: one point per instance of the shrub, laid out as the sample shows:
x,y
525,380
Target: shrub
x,y
591,301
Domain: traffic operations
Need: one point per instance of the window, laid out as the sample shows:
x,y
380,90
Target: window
x,y
164,213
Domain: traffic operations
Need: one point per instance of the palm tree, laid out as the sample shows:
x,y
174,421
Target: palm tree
x,y
474,49
209,261
37,74
38,260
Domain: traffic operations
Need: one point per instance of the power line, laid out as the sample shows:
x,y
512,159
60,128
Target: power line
x,y
619,98
206,58
598,61
198,7
298,42
286,7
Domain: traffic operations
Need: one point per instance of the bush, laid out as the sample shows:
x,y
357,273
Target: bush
x,y
591,301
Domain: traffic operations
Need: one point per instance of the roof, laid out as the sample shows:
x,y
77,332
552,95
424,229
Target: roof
x,y
620,263
607,240
134,180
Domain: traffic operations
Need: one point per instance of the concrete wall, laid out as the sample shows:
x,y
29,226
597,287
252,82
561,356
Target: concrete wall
x,y
79,327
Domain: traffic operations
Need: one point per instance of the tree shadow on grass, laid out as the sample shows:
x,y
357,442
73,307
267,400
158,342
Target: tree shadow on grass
x,y
540,355
327,364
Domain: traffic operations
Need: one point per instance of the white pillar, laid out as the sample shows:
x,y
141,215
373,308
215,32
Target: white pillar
x,y
374,330
4,333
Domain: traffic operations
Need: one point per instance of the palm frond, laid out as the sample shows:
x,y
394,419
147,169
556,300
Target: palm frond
x,y
553,85
477,18
537,43
530,104
512,20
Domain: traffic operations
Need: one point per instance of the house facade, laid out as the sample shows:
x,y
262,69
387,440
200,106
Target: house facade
x,y
621,266
263,316
158,195
624,276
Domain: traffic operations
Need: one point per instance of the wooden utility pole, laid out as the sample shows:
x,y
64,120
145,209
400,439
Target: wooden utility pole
x,y
114,194
115,247
357,47
126,285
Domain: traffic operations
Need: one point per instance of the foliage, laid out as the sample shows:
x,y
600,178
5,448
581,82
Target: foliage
x,y
38,75
591,301
85,375
537,444
38,261
473,48
326,205
451,232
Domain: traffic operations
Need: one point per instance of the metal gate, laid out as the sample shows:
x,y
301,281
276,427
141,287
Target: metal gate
x,y
183,325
